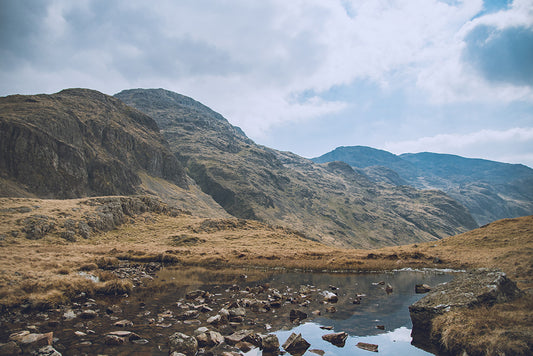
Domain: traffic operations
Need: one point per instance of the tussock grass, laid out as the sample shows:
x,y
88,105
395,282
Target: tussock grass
x,y
114,287
504,329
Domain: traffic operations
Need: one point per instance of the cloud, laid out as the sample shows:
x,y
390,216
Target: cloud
x,y
501,55
267,64
510,145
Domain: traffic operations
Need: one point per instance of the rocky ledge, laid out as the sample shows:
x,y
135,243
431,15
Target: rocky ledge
x,y
472,289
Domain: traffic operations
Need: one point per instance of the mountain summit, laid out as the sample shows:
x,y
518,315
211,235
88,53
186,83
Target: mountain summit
x,y
331,202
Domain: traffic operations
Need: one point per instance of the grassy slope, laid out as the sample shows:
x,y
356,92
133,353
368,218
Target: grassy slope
x,y
44,272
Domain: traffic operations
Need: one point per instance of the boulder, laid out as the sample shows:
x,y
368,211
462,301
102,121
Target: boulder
x,y
422,288
330,297
367,347
467,290
238,336
337,339
296,344
296,314
182,343
270,343
48,351
9,349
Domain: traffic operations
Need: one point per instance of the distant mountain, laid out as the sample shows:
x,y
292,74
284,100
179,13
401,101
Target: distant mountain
x,y
80,142
332,203
490,190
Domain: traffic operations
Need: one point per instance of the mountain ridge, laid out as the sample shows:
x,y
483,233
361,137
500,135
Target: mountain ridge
x,y
329,202
490,190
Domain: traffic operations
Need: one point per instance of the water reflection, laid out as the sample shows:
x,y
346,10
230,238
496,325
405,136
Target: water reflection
x,y
364,310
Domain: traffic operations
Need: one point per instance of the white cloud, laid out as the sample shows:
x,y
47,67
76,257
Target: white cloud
x,y
250,60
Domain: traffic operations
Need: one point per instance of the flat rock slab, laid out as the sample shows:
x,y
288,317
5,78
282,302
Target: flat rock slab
x,y
476,288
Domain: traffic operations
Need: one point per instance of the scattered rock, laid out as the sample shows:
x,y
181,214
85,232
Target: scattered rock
x,y
209,338
123,323
295,344
88,314
237,336
318,352
270,343
337,339
297,315
113,340
48,351
10,349
422,288
388,289
330,297
367,347
27,339
331,309
380,327
179,342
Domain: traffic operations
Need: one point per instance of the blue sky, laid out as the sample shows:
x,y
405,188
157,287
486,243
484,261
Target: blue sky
x,y
302,75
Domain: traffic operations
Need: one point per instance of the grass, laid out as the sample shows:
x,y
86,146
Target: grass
x,y
45,273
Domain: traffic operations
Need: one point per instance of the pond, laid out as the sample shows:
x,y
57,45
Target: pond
x,y
371,308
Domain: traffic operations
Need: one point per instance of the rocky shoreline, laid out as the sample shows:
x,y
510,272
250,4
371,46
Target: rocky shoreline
x,y
228,319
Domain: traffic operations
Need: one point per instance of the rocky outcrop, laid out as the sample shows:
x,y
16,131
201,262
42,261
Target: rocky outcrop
x,y
80,142
468,290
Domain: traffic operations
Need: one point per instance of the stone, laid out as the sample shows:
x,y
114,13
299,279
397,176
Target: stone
x,y
388,289
123,323
330,297
337,339
195,294
113,340
88,314
237,336
270,343
317,351
179,342
296,314
422,288
48,351
296,344
244,346
10,349
467,290
33,340
331,309
367,347
209,338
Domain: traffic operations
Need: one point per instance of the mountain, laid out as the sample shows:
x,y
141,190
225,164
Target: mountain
x,y
490,190
332,202
80,142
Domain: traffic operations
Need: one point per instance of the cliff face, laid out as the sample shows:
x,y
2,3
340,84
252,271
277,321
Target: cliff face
x,y
331,203
80,142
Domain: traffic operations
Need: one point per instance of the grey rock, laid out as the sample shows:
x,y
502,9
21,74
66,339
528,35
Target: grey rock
x,y
296,344
179,342
473,289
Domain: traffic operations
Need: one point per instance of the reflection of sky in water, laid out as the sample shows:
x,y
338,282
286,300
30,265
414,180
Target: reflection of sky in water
x,y
360,320
396,342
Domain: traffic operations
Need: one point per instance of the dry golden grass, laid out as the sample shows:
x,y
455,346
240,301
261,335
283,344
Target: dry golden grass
x,y
44,273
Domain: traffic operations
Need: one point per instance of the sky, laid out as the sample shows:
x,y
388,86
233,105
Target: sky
x,y
305,76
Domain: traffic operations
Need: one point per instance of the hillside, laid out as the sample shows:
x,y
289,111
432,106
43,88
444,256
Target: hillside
x,y
80,142
331,203
489,190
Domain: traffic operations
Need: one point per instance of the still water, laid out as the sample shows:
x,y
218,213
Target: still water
x,y
364,310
